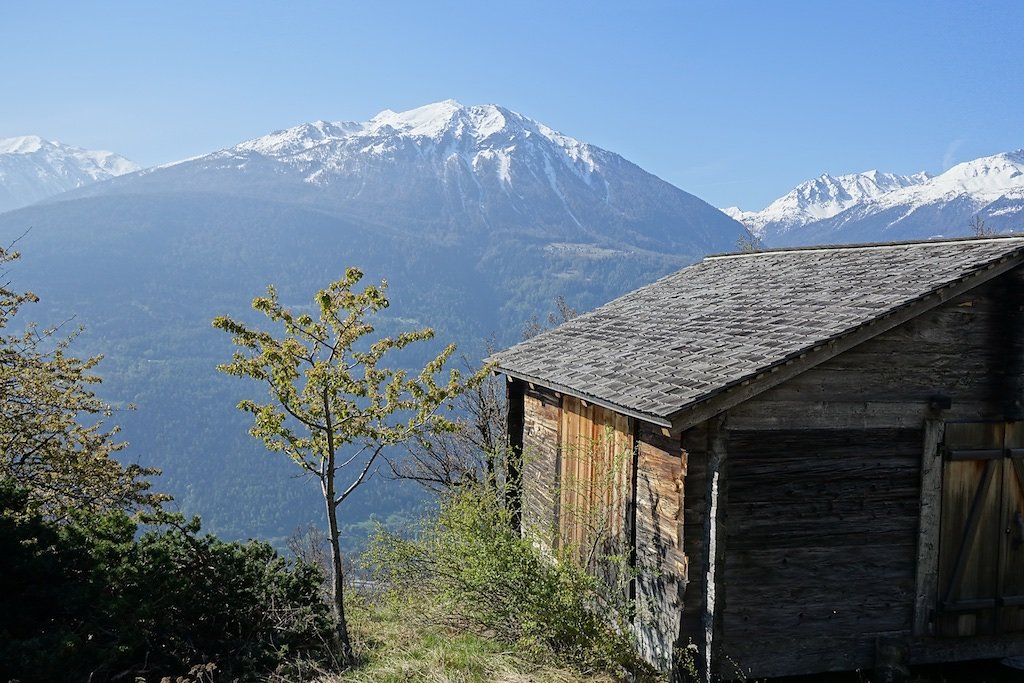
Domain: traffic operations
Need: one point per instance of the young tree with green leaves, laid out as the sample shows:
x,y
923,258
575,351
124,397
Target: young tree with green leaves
x,y
53,442
335,406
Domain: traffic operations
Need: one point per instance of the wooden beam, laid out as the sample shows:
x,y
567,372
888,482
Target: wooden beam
x,y
713,542
584,396
516,420
634,473
927,580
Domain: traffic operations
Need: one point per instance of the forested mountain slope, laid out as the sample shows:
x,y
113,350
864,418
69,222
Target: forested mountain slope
x,y
477,216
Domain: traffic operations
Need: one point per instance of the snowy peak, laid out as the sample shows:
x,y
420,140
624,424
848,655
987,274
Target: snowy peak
x,y
827,195
464,170
32,169
487,139
430,122
96,164
875,206
299,138
821,198
986,176
975,183
442,118
26,144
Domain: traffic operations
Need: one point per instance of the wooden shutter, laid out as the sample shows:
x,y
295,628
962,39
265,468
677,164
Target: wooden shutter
x,y
981,558
1011,572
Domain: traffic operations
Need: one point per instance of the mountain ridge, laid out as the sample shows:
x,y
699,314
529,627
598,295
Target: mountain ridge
x,y
33,169
477,217
988,189
820,198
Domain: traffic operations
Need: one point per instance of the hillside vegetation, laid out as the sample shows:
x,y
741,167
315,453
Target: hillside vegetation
x,y
103,584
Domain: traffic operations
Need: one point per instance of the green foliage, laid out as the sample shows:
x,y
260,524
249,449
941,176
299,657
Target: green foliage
x,y
89,600
327,392
335,406
468,568
44,395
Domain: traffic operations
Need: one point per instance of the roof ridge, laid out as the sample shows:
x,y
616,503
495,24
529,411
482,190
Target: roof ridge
x,y
867,245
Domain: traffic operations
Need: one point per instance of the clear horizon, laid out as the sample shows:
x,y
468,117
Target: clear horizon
x,y
733,103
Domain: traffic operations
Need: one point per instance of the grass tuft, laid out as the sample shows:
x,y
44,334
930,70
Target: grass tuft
x,y
395,647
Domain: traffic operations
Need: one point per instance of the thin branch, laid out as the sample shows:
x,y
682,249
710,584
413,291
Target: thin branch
x,y
284,404
359,479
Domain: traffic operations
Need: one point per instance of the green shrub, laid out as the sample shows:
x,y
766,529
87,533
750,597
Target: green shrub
x,y
90,600
468,568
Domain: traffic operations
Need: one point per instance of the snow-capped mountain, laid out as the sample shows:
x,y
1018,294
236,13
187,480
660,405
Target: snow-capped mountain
x,y
874,206
482,139
990,188
32,169
465,169
478,217
820,198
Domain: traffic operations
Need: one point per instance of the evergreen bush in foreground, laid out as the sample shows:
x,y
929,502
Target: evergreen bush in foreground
x,y
88,600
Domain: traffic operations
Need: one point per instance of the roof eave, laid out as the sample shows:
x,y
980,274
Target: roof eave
x,y
658,420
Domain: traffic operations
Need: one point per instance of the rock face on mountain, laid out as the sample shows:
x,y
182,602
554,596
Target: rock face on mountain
x,y
478,217
889,207
32,169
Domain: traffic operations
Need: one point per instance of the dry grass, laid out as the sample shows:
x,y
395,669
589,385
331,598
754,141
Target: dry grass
x,y
392,647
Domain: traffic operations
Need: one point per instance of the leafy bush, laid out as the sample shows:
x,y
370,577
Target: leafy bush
x,y
55,443
469,569
87,600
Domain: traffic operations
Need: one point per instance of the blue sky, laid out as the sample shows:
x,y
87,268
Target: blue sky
x,y
735,102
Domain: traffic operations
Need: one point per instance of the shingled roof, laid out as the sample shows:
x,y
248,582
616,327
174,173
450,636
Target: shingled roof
x,y
730,319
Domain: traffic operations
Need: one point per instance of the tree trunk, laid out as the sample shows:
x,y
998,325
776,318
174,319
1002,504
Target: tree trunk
x,y
328,474
346,656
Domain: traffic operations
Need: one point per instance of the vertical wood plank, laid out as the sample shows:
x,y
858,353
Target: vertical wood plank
x,y
927,575
566,481
596,461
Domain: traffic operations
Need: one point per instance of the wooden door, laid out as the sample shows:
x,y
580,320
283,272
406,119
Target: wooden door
x,y
595,467
1011,571
981,547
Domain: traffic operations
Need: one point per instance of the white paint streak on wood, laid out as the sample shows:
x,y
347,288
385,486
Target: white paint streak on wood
x,y
709,578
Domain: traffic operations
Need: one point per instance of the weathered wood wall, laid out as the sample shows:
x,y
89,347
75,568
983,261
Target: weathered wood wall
x,y
541,419
965,349
824,490
661,562
695,442
821,547
655,524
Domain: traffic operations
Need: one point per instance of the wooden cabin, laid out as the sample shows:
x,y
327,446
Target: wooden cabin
x,y
815,457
